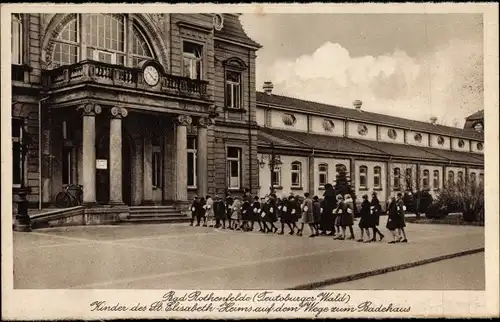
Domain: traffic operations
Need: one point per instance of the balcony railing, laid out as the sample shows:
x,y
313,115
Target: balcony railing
x,y
116,75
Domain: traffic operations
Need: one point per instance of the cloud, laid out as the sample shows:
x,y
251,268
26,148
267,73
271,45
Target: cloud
x,y
446,83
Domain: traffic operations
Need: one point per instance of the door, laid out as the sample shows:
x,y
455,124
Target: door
x,y
102,173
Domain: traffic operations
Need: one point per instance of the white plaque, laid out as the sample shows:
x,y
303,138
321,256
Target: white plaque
x,y
101,164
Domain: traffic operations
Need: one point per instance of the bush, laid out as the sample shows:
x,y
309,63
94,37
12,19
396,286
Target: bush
x,y
465,197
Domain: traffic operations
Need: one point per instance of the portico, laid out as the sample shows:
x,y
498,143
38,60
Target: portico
x,y
129,149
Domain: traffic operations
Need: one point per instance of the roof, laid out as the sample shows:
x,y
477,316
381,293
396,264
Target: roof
x,y
364,116
232,30
479,115
334,144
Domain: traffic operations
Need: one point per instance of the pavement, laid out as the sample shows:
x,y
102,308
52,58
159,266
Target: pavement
x,y
460,273
177,256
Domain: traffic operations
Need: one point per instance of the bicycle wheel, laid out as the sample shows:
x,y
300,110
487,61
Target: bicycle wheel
x,y
62,200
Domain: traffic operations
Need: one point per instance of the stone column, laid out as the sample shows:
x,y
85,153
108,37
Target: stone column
x,y
115,155
169,161
181,156
148,170
46,158
89,166
202,156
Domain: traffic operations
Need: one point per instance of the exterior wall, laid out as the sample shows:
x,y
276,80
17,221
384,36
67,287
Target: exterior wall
x,y
277,121
317,126
384,137
352,131
410,138
393,190
260,117
382,191
434,142
455,171
474,147
434,191
332,174
286,177
456,147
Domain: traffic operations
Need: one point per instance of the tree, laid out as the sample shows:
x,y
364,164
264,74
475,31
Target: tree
x,y
343,184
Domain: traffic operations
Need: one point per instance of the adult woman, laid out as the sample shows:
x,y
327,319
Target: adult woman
x,y
393,220
376,211
329,203
365,221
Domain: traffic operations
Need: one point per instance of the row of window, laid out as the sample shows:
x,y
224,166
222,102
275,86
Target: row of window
x,y
104,40
296,174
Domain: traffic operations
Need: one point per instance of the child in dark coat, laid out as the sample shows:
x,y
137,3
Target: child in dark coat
x,y
195,209
220,212
364,222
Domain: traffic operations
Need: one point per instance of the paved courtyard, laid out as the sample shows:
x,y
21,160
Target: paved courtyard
x,y
177,256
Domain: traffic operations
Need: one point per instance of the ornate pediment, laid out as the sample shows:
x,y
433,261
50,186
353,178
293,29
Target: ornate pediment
x,y
235,63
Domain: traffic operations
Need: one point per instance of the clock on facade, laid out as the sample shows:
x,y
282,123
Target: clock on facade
x,y
151,75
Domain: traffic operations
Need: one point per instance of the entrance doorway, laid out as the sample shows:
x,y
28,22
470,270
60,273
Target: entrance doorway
x,y
102,175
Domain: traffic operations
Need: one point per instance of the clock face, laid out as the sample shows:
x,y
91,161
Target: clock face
x,y
151,75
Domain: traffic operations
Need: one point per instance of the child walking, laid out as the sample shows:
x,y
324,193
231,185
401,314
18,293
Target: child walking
x,y
307,216
209,211
236,213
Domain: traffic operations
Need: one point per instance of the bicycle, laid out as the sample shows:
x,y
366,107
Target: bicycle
x,y
70,197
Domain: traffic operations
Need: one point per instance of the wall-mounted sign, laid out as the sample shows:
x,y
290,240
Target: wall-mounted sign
x,y
101,164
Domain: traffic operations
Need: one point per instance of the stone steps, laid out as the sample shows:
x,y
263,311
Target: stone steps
x,y
154,214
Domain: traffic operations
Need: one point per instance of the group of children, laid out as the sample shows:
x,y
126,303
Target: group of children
x,y
242,214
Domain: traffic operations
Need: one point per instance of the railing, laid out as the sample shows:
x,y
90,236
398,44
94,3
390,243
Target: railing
x,y
107,74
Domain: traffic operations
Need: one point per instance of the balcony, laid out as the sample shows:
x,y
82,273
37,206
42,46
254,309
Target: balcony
x,y
94,72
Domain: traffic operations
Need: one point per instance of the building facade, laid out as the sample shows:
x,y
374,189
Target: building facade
x,y
139,109
152,109
380,153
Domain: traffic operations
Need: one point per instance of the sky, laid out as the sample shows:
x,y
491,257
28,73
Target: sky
x,y
408,65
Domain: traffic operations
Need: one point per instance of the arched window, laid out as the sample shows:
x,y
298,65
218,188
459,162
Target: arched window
x,y
460,176
397,179
296,173
481,178
363,180
435,180
473,177
323,174
425,179
104,39
451,177
17,39
376,177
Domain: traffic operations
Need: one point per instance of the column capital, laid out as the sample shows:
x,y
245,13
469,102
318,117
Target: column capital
x,y
118,112
90,109
183,120
205,121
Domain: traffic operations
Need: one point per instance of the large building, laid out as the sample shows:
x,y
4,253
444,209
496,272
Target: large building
x,y
152,109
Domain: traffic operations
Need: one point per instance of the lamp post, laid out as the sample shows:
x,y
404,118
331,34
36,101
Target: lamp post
x,y
23,221
274,161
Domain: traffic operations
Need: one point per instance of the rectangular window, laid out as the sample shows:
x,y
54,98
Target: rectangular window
x,y
17,39
397,179
17,139
276,176
157,168
409,179
234,167
425,179
323,175
233,89
362,177
191,162
192,60
376,177
296,174
435,180
67,174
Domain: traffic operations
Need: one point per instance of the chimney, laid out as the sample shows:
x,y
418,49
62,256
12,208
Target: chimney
x,y
268,87
433,120
357,104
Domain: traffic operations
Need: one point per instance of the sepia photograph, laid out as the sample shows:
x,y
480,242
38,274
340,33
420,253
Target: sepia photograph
x,y
264,154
